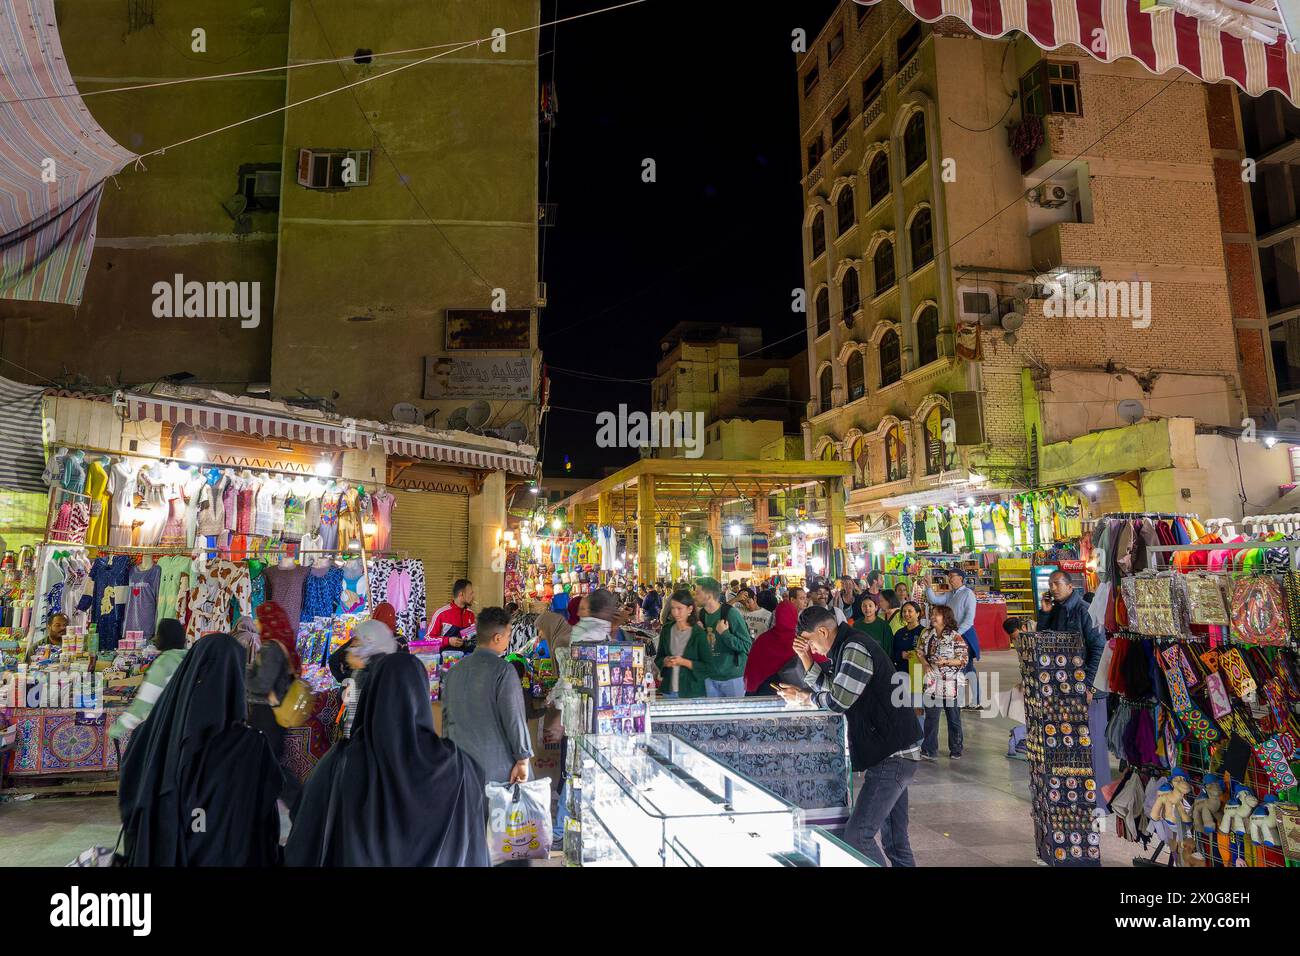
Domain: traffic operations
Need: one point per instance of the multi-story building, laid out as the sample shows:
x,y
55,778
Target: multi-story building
x,y
747,403
388,225
961,193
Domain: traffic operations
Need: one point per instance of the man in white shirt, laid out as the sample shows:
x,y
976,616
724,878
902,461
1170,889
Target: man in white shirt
x,y
756,618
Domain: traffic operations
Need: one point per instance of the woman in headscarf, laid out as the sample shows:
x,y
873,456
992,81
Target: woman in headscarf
x,y
245,633
370,639
198,785
773,653
396,794
273,670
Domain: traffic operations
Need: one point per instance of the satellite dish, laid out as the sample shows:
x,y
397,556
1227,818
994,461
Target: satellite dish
x,y
236,205
478,414
458,420
1012,321
516,431
407,414
1026,291
1131,411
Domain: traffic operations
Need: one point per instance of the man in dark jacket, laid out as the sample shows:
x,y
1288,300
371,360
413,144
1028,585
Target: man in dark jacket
x,y
884,734
1063,610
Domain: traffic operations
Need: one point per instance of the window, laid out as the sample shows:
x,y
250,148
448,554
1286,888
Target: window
x,y
828,453
824,389
861,464
891,359
834,46
927,337
844,214
260,187
1051,87
816,150
810,81
908,43
1063,88
823,312
872,85
922,238
840,124
818,234
895,454
878,177
333,168
883,263
849,295
938,454
914,143
857,376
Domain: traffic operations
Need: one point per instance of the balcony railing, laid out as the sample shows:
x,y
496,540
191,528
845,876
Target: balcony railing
x,y
908,72
840,148
873,112
815,174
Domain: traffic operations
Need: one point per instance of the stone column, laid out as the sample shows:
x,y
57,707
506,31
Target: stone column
x,y
487,521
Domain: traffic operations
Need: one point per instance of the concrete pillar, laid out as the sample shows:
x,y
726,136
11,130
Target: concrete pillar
x,y
715,535
675,548
487,520
835,521
645,528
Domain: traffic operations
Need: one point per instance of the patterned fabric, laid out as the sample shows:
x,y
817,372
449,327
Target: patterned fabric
x,y
56,741
221,595
304,746
1220,704
410,574
1205,592
321,593
1259,611
1274,761
1189,714
1237,674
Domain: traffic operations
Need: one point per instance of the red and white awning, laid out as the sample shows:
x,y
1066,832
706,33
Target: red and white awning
x,y
1111,29
342,434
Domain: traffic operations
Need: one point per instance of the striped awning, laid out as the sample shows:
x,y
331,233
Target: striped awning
x,y
54,160
22,448
339,434
1111,29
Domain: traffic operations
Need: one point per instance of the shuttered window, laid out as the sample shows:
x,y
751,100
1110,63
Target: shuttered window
x,y
434,527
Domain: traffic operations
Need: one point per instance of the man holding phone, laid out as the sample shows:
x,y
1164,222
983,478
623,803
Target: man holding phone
x,y
884,735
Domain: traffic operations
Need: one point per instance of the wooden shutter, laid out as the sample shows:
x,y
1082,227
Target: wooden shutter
x,y
304,167
362,158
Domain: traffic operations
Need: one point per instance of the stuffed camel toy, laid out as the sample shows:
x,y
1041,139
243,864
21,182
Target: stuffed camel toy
x,y
1169,805
1208,808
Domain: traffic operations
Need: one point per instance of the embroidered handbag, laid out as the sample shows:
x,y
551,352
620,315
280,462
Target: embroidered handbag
x,y
1155,609
1205,593
1259,611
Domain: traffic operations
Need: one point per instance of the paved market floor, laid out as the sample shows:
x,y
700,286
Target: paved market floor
x,y
968,812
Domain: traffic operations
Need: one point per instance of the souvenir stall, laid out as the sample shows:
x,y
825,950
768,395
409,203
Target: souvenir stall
x,y
575,560
1203,624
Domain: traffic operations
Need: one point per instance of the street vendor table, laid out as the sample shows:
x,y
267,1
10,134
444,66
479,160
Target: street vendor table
x,y
52,741
988,626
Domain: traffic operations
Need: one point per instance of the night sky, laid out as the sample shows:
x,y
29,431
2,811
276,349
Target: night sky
x,y
709,92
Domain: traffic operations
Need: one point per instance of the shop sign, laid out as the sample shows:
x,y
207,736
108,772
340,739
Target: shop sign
x,y
486,330
453,376
1072,565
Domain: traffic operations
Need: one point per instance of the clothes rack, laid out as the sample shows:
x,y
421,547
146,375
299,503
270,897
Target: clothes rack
x,y
180,460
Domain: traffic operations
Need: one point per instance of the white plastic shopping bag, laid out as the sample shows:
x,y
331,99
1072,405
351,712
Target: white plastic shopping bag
x,y
519,820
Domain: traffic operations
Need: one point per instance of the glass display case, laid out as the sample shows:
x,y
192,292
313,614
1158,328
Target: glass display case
x,y
799,752
655,800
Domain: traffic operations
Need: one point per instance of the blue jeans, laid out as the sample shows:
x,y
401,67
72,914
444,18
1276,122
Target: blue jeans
x,y
724,688
882,808
951,710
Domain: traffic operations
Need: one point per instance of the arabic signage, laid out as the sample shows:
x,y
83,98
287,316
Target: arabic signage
x,y
500,377
485,330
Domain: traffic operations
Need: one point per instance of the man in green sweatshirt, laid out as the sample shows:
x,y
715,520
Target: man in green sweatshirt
x,y
729,639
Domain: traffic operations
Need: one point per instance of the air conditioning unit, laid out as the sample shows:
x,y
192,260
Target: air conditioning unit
x,y
541,295
1049,196
976,302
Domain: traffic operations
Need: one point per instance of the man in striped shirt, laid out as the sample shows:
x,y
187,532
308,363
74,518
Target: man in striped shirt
x,y
858,681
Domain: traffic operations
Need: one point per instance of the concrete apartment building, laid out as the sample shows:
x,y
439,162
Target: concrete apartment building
x,y
749,403
930,247
356,276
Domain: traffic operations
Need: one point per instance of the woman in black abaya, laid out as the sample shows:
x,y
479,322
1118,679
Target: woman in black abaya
x,y
395,794
198,785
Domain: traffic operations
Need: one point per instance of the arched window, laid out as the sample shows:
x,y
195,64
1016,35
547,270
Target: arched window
x,y
828,453
927,336
844,214
878,175
938,453
849,295
922,239
861,469
857,376
891,359
883,264
895,454
823,312
914,143
818,234
824,389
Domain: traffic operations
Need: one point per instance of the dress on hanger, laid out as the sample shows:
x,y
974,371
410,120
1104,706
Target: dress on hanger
x,y
349,518
248,489
152,484
173,532
382,504
329,520
98,482
264,514
122,513
142,600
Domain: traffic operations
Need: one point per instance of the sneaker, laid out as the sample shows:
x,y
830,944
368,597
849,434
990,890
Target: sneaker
x,y
926,756
954,756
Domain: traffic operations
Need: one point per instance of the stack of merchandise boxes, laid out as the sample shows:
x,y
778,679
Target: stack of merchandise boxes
x,y
1062,789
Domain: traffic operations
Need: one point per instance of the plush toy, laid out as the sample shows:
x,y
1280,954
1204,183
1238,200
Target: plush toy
x,y
1169,805
1236,814
1208,808
1263,823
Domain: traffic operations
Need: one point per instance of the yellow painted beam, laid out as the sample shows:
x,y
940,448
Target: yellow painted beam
x,y
645,529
